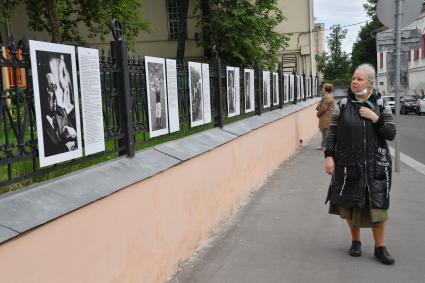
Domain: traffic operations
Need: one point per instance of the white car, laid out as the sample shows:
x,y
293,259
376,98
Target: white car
x,y
390,101
420,105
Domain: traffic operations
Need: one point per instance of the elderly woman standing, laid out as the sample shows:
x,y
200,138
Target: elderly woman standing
x,y
359,161
324,111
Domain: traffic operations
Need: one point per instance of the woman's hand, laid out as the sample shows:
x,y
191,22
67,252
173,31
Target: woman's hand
x,y
368,114
329,165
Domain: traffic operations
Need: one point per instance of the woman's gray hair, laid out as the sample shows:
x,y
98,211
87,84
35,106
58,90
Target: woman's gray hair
x,y
369,70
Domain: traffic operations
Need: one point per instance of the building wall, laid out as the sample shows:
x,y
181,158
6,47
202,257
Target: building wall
x,y
416,67
299,21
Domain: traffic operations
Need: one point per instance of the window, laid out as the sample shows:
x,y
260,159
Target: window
x,y
381,60
416,54
173,13
14,78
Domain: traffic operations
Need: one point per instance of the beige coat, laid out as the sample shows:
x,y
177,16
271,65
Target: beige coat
x,y
324,110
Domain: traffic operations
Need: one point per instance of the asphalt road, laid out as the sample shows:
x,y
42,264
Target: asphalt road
x,y
412,136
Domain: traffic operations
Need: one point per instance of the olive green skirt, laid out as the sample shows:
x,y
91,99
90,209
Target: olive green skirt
x,y
361,217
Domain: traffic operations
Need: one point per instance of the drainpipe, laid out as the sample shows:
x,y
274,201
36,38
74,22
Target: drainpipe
x,y
310,16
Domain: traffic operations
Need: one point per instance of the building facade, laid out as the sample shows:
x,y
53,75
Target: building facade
x,y
415,63
163,18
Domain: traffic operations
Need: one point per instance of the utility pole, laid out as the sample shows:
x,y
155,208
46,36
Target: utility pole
x,y
397,35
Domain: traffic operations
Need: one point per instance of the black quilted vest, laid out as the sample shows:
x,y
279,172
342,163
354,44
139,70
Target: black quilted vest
x,y
362,161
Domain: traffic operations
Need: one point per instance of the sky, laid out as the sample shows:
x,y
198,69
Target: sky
x,y
343,12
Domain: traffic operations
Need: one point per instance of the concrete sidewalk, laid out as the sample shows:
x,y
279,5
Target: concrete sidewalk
x,y
283,233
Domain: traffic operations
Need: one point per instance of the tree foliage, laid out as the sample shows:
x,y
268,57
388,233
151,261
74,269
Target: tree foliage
x,y
337,61
243,31
364,49
62,18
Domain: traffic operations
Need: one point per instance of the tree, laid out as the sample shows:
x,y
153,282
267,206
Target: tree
x,y
243,31
364,49
337,61
61,18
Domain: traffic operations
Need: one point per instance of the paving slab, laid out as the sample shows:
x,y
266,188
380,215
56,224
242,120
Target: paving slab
x,y
283,233
6,234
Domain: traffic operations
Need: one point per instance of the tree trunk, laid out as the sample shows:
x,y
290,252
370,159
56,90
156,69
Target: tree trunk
x,y
53,21
206,18
181,43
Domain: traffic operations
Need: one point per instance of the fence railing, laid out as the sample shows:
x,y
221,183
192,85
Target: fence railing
x,y
125,108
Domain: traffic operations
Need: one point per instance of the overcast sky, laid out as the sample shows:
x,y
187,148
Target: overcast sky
x,y
343,12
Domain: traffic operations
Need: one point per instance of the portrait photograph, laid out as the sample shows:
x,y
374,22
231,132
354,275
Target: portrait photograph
x,y
196,94
231,92
302,87
291,88
157,96
266,89
299,78
54,75
249,90
275,89
285,88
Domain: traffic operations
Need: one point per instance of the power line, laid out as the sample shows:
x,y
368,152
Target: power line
x,y
305,32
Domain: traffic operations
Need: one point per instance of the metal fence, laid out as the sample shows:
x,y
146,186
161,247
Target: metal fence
x,y
125,108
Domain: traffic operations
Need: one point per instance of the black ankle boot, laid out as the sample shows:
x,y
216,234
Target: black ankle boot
x,y
383,256
355,249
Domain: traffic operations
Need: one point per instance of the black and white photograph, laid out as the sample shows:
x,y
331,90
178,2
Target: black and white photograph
x,y
308,84
285,88
237,92
291,87
249,90
302,87
56,102
196,94
231,92
299,87
275,89
266,89
157,97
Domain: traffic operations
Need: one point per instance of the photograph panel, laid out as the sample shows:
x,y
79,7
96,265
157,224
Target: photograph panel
x,y
249,90
196,95
157,96
231,92
56,102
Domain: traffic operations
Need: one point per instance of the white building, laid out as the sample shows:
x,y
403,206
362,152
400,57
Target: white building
x,y
416,62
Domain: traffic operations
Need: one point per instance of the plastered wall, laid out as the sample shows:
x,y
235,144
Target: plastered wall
x,y
142,233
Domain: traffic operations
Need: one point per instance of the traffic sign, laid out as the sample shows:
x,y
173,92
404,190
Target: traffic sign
x,y
386,9
410,40
391,70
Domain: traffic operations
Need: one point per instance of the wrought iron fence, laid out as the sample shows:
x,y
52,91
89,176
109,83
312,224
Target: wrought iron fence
x,y
125,109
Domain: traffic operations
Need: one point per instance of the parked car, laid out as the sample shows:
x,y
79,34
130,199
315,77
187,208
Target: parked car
x,y
407,104
390,101
420,105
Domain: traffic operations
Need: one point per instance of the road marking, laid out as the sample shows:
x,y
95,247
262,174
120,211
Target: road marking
x,y
420,167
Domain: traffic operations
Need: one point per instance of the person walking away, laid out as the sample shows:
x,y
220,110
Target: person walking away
x,y
358,158
324,111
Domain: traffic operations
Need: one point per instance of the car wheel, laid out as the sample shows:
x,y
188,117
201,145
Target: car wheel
x,y
418,111
402,111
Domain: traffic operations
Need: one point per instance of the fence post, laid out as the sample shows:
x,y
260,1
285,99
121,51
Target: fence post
x,y
295,87
122,82
220,89
280,82
258,90
304,88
